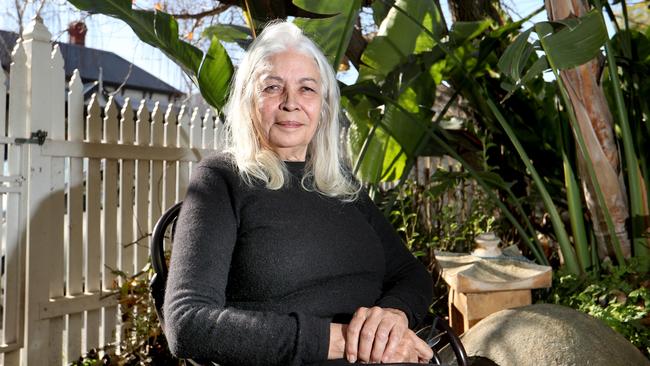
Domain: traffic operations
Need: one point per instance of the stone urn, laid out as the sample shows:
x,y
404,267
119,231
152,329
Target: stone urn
x,y
487,245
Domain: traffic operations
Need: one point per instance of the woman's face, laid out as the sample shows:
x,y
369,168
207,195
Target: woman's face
x,y
289,106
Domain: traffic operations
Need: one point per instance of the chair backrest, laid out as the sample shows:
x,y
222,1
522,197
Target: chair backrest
x,y
166,223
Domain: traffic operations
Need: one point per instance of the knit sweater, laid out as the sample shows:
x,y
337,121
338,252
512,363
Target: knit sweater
x,y
257,275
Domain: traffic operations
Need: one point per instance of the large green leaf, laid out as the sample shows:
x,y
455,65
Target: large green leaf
x,y
228,32
211,71
411,27
213,82
404,111
374,146
332,34
413,89
576,43
401,123
516,56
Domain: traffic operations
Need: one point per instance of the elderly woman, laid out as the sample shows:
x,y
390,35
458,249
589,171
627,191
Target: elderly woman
x,y
280,258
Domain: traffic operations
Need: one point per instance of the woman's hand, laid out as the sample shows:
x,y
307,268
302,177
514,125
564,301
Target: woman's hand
x,y
410,349
375,334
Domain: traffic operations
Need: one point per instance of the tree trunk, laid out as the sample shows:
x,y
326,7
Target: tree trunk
x,y
596,125
471,10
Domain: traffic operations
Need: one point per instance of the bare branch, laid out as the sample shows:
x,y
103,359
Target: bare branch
x,y
126,79
208,13
40,8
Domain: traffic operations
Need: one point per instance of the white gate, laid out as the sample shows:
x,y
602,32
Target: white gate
x,y
80,192
12,234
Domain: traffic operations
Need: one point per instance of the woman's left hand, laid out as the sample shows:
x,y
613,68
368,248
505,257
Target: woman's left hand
x,y
374,334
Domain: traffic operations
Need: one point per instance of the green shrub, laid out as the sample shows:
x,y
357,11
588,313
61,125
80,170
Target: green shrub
x,y
619,296
142,341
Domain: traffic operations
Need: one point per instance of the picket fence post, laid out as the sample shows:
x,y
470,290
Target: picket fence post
x,y
127,192
75,219
183,140
109,221
142,138
38,116
170,166
14,278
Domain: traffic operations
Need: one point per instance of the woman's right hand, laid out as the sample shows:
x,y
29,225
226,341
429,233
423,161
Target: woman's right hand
x,y
410,349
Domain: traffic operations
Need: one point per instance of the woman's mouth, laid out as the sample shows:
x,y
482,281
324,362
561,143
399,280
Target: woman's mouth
x,y
289,124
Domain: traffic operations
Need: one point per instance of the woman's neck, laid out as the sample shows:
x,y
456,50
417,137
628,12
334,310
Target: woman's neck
x,y
291,154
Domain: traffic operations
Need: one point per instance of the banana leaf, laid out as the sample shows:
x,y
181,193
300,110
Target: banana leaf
x,y
210,71
333,33
407,29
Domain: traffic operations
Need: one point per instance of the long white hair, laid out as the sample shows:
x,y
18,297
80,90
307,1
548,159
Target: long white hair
x,y
325,169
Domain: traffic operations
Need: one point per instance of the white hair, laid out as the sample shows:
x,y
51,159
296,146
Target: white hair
x,y
325,170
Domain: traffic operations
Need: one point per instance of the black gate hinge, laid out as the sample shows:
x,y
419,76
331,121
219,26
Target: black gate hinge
x,y
37,137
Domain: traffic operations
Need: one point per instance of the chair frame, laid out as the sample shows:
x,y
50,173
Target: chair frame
x,y
158,259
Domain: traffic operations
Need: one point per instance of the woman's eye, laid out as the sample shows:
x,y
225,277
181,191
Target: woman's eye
x,y
308,89
271,88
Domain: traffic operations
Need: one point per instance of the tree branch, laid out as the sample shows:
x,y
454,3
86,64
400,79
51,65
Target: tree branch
x,y
212,12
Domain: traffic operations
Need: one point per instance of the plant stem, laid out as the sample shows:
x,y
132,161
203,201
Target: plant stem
x,y
575,214
562,237
637,203
585,154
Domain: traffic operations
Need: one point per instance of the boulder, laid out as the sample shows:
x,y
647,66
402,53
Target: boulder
x,y
546,334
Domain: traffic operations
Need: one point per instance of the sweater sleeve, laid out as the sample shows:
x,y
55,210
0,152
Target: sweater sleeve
x,y
198,324
407,286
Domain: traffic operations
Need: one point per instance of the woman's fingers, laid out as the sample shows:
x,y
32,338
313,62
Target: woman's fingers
x,y
371,335
372,332
352,336
389,332
404,351
396,335
410,349
422,349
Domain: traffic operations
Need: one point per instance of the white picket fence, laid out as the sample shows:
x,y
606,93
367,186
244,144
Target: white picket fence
x,y
80,203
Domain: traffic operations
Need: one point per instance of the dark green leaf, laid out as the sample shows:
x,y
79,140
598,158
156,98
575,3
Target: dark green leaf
x,y
227,32
411,27
363,115
516,56
464,31
574,46
539,66
331,34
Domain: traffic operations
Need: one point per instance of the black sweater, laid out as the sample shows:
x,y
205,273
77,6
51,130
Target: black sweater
x,y
257,275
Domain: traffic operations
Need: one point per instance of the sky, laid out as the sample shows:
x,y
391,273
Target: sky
x,y
113,35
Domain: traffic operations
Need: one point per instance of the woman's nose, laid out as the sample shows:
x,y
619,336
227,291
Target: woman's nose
x,y
289,102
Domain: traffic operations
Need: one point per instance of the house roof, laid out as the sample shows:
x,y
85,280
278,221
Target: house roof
x,y
88,61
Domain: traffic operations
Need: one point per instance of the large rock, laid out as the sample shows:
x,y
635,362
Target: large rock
x,y
548,334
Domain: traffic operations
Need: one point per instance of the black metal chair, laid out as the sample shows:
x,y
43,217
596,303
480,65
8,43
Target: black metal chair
x,y
437,335
166,223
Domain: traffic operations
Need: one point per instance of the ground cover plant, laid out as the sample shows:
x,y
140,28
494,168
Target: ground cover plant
x,y
619,296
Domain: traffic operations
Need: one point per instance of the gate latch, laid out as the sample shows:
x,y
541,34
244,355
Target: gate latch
x,y
37,137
